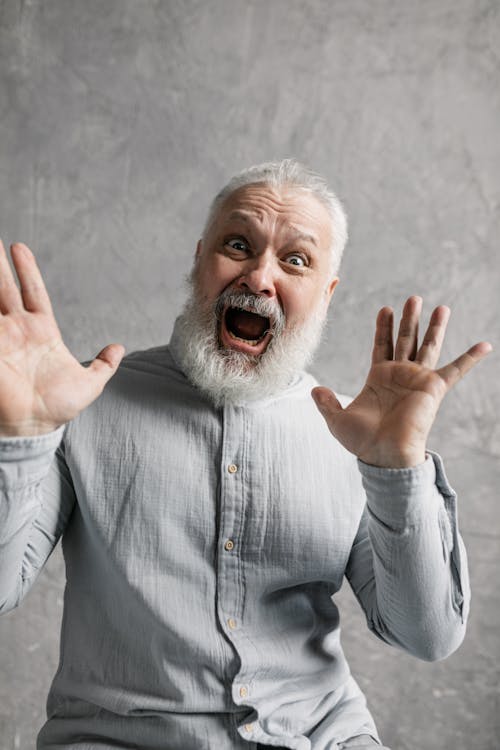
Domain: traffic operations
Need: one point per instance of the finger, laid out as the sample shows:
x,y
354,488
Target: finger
x,y
107,361
383,344
455,370
430,349
10,297
327,403
104,366
34,294
407,340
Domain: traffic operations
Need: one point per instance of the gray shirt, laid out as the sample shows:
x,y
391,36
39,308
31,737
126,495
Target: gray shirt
x,y
204,548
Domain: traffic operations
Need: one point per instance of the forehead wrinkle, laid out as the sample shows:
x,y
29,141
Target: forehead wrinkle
x,y
262,204
295,232
240,215
253,218
259,206
260,199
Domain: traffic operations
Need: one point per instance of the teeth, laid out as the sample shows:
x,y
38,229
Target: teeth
x,y
252,342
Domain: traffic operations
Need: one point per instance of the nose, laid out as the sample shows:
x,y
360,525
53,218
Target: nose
x,y
258,276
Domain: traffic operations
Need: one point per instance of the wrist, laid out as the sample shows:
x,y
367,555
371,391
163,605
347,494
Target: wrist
x,y
27,429
394,460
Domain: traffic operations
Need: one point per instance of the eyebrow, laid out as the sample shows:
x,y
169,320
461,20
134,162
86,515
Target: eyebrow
x,y
297,234
302,237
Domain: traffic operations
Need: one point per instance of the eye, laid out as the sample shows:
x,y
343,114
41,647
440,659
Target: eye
x,y
295,259
238,244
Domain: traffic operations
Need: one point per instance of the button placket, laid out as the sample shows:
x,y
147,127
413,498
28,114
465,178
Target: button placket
x,y
232,520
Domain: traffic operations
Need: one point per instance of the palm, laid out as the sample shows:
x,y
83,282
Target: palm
x,y
396,406
387,424
41,384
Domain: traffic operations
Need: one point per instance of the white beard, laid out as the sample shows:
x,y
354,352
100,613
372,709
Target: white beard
x,y
226,375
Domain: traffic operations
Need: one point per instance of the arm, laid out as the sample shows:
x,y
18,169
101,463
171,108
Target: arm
x,y
36,500
42,387
408,566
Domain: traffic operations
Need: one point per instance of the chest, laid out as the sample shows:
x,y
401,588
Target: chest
x,y
179,483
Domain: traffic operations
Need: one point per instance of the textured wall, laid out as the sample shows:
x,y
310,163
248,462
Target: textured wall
x,y
118,120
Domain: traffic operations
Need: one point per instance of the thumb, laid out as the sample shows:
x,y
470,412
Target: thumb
x,y
327,402
106,363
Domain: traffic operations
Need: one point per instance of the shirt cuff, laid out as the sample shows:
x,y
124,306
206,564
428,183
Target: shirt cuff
x,y
403,497
24,460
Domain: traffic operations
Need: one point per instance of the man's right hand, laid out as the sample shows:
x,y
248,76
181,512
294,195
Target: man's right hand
x,y
42,385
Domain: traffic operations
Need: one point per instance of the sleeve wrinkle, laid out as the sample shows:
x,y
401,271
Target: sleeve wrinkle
x,y
408,564
35,504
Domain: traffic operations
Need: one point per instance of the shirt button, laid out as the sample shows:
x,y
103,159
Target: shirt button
x,y
231,623
243,692
229,545
232,468
248,727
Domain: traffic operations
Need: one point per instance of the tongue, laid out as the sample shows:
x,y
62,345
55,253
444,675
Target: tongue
x,y
245,324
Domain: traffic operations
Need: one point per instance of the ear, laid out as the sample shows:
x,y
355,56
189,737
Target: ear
x,y
199,249
330,289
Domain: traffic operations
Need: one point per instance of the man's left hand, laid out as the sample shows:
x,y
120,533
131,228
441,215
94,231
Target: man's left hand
x,y
387,424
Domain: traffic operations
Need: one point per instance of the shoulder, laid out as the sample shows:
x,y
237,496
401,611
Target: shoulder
x,y
142,376
148,365
147,359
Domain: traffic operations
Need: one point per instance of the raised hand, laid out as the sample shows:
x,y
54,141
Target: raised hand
x,y
389,421
42,385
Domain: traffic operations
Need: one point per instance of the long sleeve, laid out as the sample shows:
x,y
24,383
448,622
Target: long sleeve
x,y
408,566
36,499
203,551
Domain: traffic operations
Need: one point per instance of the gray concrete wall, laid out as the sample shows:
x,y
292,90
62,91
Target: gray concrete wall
x,y
118,120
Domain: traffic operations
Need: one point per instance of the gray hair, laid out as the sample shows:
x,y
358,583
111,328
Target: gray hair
x,y
290,172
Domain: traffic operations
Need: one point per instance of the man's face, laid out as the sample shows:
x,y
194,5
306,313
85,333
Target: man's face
x,y
260,289
274,244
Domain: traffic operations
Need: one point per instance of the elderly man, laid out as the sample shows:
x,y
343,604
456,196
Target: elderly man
x,y
209,511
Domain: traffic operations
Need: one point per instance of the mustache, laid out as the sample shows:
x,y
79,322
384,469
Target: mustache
x,y
254,303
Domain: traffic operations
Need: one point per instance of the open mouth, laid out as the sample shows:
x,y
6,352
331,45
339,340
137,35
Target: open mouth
x,y
245,330
245,325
